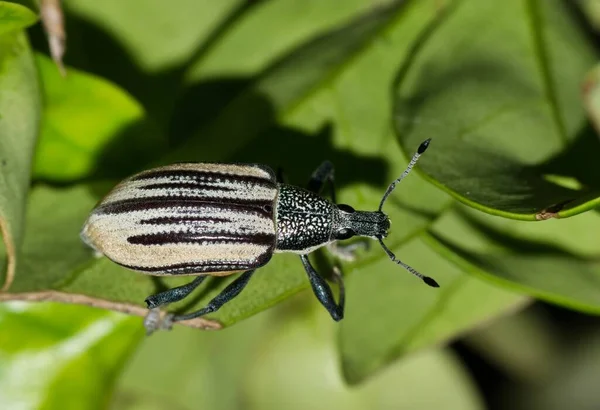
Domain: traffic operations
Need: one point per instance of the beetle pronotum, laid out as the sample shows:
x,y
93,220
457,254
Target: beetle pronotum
x,y
218,219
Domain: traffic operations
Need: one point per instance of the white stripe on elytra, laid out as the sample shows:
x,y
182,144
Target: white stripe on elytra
x,y
227,169
238,190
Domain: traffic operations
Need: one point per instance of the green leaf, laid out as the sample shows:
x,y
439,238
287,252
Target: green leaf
x,y
58,356
90,128
212,47
289,82
507,258
49,259
307,343
390,313
19,117
14,17
159,37
275,366
502,106
217,361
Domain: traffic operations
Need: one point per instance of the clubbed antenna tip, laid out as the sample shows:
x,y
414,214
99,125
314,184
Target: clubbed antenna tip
x,y
424,145
394,259
430,282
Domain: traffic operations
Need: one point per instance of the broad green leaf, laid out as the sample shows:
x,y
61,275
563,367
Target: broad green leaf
x,y
497,87
52,252
283,375
56,356
14,17
287,360
175,29
541,269
292,79
217,361
19,117
223,42
91,128
390,313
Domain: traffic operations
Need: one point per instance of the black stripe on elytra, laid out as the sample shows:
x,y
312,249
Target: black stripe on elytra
x,y
169,220
164,238
188,205
212,266
205,176
186,185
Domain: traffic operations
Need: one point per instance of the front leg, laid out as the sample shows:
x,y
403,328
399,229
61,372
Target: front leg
x,y
323,292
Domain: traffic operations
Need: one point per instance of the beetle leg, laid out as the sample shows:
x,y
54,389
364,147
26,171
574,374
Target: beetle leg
x,y
347,251
173,295
323,174
323,291
231,291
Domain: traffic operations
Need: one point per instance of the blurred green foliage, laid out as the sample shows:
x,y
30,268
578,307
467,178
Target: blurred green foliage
x,y
289,84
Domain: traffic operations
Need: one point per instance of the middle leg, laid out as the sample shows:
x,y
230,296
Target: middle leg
x,y
173,295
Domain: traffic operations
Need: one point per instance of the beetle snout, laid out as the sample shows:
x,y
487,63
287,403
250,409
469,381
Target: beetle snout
x,y
366,223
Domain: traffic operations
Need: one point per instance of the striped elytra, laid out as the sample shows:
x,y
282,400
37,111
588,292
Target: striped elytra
x,y
188,219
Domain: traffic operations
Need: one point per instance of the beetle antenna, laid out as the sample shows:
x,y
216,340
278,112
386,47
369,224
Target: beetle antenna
x,y
410,166
429,281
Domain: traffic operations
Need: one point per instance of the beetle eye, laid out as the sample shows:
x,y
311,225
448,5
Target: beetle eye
x,y
345,208
344,233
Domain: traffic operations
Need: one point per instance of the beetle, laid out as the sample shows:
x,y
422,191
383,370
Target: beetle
x,y
214,219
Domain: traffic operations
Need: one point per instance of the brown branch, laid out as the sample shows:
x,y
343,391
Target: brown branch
x,y
56,296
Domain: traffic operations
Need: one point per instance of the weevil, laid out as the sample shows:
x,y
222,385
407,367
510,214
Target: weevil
x,y
213,219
